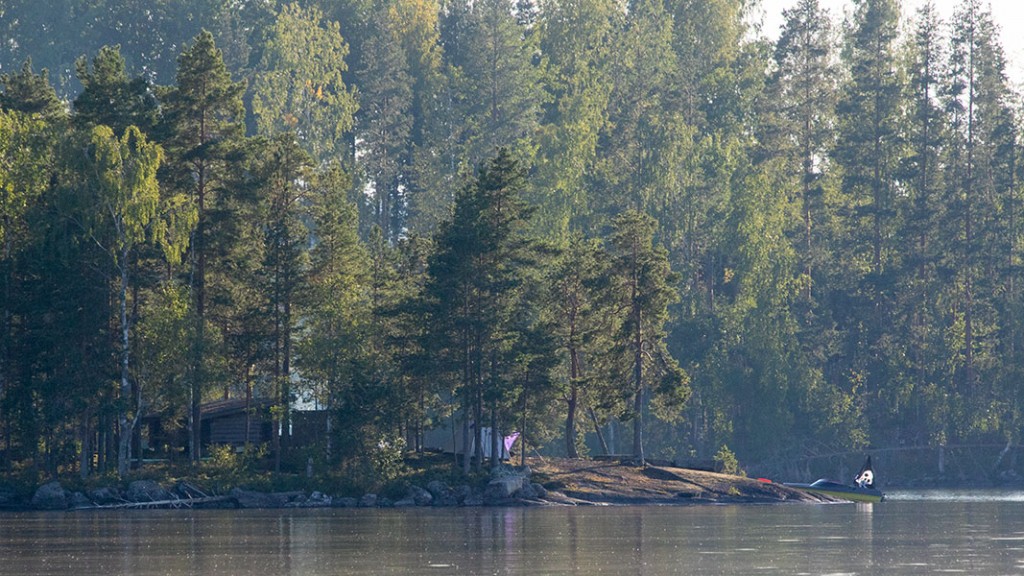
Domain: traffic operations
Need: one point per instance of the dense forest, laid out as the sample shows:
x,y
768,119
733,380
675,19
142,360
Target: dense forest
x,y
636,227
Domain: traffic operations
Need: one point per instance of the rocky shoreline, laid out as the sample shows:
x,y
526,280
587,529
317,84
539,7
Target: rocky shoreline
x,y
565,483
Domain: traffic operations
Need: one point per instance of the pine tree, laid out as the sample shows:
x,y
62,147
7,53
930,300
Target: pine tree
x,y
385,124
473,286
580,325
204,124
496,62
981,188
281,171
869,150
643,282
29,93
802,100
109,97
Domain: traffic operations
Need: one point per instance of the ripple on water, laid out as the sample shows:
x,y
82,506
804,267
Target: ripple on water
x,y
943,495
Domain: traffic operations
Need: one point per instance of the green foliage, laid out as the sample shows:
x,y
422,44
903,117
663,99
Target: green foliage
x,y
557,217
727,462
386,458
299,86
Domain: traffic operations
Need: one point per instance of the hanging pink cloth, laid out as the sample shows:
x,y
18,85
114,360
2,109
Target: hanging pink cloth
x,y
509,441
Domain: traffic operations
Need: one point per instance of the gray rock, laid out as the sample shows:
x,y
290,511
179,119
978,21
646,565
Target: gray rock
x,y
253,499
503,488
473,499
420,496
540,490
51,496
368,501
346,502
147,491
404,503
505,470
526,492
79,500
443,494
315,500
463,493
104,495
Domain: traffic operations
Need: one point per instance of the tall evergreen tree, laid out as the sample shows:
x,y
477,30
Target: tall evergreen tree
x,y
802,96
204,117
980,184
496,61
920,313
281,170
385,124
29,93
643,281
581,328
869,150
334,298
109,97
472,291
576,38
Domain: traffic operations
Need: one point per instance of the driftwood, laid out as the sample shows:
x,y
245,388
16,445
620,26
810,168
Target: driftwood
x,y
172,503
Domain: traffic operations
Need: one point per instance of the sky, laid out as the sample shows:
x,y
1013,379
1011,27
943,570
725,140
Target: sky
x,y
1008,15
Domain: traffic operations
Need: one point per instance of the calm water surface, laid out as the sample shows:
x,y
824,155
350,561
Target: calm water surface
x,y
913,533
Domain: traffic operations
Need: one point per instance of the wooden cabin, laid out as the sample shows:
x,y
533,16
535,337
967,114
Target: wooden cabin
x,y
235,421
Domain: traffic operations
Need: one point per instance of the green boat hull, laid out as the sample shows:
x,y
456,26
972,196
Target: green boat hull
x,y
841,491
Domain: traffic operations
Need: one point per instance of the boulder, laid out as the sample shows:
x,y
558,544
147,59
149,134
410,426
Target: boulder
x,y
526,492
442,494
465,496
79,500
104,495
253,499
147,491
51,496
315,500
540,491
368,501
420,496
500,489
346,502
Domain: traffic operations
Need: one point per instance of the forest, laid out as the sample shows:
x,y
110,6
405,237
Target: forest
x,y
641,227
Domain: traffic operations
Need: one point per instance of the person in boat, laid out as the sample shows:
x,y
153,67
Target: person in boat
x,y
866,478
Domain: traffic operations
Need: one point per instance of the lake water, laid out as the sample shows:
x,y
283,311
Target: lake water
x,y
975,533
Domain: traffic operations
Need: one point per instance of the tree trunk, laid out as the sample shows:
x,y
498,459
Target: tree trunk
x,y
638,382
573,402
125,426
597,430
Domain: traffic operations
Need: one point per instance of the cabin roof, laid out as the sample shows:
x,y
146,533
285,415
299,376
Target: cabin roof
x,y
231,406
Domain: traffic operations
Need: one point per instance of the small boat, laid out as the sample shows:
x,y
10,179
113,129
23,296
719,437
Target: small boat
x,y
863,489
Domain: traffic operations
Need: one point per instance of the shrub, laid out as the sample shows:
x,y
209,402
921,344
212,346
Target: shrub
x,y
727,462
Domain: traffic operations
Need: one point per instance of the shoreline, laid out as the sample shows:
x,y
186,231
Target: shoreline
x,y
542,482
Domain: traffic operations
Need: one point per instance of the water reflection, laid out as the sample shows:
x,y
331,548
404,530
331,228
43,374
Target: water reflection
x,y
910,536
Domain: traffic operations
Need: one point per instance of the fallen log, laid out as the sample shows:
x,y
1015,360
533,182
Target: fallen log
x,y
173,503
